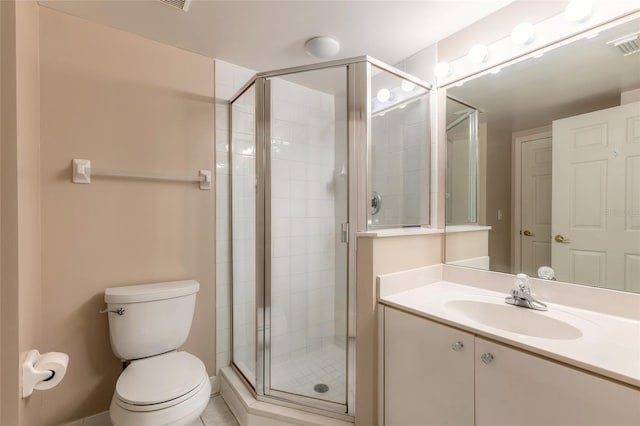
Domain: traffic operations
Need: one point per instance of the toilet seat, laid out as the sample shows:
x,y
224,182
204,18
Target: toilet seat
x,y
160,382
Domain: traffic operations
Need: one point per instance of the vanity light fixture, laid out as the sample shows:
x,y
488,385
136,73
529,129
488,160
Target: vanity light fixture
x,y
523,33
442,70
322,47
578,10
383,95
478,54
407,86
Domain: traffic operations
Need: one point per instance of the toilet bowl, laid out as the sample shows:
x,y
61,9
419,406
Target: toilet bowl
x,y
160,385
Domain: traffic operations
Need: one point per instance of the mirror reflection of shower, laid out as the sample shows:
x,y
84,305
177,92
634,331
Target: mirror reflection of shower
x,y
462,154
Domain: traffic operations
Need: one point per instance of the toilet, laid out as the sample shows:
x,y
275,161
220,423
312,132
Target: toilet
x,y
160,385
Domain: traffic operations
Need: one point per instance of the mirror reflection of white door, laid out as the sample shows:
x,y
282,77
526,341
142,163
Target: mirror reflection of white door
x,y
596,198
535,239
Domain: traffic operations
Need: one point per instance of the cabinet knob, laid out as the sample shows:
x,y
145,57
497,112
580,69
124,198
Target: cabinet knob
x,y
457,346
486,357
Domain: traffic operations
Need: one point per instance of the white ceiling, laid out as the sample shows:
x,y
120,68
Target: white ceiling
x,y
267,35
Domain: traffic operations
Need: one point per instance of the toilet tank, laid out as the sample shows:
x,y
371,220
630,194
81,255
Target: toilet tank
x,y
156,317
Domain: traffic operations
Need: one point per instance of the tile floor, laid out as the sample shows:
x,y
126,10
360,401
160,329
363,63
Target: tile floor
x,y
299,375
217,413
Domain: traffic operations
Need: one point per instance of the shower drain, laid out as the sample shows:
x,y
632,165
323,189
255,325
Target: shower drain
x,y
321,388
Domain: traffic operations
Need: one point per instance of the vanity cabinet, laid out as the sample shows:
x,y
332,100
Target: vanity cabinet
x,y
517,388
430,379
428,372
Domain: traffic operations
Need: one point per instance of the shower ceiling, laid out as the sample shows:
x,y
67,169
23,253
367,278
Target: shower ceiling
x,y
264,35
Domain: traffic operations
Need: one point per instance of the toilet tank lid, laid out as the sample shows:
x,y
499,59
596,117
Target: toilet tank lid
x,y
150,292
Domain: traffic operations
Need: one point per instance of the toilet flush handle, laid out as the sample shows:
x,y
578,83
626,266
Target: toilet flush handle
x,y
119,311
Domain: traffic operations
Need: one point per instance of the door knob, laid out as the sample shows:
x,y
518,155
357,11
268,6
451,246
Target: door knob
x,y
561,239
528,233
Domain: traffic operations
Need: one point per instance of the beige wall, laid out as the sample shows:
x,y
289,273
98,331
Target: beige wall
x,y
125,103
21,247
466,245
377,256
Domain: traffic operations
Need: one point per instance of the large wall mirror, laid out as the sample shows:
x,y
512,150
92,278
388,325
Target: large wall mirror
x,y
550,149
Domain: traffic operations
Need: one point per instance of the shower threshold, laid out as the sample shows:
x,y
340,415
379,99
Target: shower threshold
x,y
250,411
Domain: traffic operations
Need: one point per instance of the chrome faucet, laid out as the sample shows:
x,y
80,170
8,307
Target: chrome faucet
x,y
521,295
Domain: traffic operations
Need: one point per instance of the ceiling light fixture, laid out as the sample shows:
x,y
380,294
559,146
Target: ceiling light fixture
x,y
578,10
478,54
523,33
407,86
442,70
322,47
383,95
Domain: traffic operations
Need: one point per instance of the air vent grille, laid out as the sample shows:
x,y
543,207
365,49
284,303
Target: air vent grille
x,y
178,4
627,45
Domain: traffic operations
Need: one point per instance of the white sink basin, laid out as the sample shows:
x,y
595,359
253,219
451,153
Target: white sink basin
x,y
514,319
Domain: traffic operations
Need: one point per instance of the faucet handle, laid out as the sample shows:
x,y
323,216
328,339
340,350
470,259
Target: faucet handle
x,y
521,282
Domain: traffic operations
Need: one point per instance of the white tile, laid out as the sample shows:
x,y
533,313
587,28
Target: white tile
x,y
101,419
217,413
196,422
74,423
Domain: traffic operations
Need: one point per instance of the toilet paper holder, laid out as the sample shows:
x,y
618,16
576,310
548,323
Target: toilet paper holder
x,y
36,373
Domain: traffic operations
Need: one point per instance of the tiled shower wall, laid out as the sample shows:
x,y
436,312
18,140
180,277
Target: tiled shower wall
x,y
400,175
305,183
303,220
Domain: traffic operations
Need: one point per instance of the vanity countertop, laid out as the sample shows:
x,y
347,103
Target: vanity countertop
x,y
600,342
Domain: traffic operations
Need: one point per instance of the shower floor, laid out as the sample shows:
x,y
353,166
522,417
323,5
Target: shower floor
x,y
301,374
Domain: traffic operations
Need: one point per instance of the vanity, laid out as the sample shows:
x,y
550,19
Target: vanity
x,y
452,352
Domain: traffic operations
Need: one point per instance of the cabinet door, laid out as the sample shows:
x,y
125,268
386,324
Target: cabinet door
x,y
428,379
520,389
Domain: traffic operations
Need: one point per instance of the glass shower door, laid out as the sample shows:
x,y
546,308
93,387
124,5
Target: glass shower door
x,y
306,254
243,225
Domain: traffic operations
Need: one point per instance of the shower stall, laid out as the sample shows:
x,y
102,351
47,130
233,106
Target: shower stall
x,y
301,168
462,157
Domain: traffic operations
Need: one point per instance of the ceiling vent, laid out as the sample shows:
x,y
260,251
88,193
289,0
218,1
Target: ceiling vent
x,y
178,4
627,45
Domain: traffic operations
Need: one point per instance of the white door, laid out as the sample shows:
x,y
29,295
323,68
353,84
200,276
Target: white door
x,y
535,239
596,198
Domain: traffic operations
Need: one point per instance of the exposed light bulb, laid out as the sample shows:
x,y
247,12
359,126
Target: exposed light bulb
x,y
383,95
578,10
523,33
478,54
442,69
407,86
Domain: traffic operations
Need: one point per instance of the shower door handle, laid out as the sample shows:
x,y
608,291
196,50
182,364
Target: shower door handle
x,y
344,233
